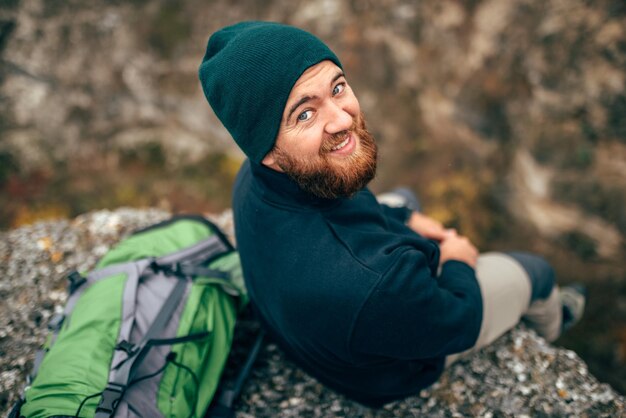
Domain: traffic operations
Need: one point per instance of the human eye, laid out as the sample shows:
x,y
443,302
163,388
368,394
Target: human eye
x,y
304,116
339,88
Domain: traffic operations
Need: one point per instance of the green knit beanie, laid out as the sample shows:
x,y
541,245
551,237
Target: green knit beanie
x,y
247,73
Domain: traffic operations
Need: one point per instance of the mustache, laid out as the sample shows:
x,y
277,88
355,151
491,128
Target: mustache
x,y
337,138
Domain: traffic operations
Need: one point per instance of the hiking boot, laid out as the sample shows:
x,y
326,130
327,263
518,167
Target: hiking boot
x,y
400,197
573,304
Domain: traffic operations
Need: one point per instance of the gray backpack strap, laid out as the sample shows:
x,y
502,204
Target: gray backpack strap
x,y
122,371
200,252
129,303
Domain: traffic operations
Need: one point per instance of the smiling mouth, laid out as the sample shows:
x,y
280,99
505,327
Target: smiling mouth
x,y
341,144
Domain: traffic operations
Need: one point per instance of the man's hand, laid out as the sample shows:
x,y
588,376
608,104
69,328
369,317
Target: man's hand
x,y
459,248
429,227
451,245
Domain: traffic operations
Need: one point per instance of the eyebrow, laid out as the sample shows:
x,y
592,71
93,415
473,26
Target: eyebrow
x,y
306,99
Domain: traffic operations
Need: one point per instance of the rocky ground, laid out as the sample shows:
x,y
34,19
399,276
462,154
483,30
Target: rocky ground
x,y
520,375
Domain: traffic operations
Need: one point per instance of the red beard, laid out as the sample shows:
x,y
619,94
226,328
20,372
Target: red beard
x,y
330,178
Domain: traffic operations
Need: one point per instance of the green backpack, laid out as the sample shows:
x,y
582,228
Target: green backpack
x,y
147,333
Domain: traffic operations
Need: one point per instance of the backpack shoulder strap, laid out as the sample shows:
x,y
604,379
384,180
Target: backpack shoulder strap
x,y
203,251
121,373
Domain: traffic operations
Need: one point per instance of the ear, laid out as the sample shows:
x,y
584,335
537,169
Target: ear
x,y
270,161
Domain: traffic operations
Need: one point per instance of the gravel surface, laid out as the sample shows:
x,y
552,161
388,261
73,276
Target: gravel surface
x,y
520,375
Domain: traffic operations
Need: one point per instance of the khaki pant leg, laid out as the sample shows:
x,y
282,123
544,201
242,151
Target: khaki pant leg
x,y
506,289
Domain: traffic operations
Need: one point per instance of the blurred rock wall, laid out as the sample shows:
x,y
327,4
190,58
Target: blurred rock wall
x,y
517,104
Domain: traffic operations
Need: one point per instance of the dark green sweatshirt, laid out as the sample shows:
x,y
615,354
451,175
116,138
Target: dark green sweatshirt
x,y
348,291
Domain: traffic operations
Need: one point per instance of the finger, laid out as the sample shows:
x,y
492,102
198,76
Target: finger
x,y
437,234
451,232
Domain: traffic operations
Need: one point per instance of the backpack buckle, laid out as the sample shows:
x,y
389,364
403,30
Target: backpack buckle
x,y
111,396
184,269
154,266
75,281
174,269
127,347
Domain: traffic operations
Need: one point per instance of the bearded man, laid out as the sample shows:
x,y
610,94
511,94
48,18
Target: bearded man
x,y
371,300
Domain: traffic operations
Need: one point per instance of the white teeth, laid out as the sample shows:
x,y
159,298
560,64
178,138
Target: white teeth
x,y
340,146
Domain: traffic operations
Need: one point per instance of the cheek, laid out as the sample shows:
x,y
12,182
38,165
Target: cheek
x,y
304,141
313,139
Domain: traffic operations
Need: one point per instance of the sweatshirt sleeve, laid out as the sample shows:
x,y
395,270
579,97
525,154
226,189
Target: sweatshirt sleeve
x,y
411,315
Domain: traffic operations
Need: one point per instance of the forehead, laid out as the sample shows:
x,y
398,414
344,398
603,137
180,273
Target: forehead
x,y
318,75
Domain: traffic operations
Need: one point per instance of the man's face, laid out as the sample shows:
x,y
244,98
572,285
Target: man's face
x,y
322,142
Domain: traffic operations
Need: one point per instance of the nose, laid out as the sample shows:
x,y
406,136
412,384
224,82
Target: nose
x,y
339,119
